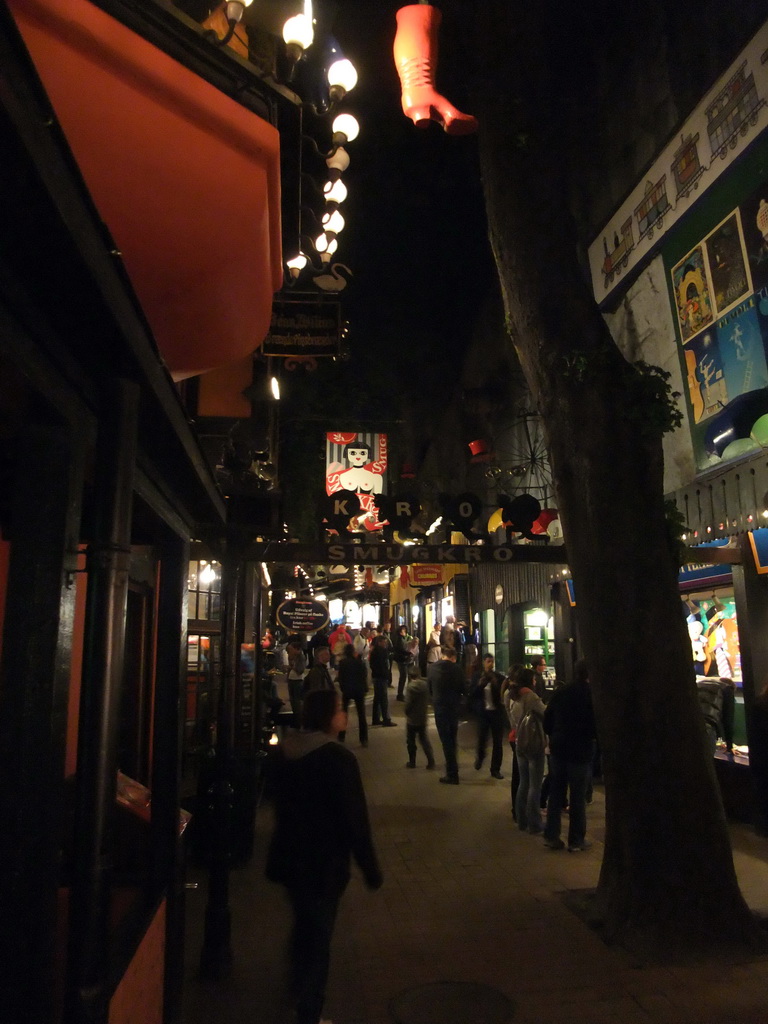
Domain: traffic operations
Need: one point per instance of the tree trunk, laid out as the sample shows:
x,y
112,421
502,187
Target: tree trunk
x,y
667,875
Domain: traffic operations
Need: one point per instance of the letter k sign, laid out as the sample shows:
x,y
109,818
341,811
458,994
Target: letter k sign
x,y
340,508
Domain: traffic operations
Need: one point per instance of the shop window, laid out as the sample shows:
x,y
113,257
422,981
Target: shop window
x,y
136,711
538,636
204,590
200,711
714,634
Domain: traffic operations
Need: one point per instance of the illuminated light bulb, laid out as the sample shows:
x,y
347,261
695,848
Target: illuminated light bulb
x,y
335,191
298,31
333,245
275,386
342,73
338,161
346,125
321,242
296,265
273,740
235,9
333,222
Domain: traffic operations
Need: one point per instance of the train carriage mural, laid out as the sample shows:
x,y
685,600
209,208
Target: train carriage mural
x,y
686,166
731,112
732,116
617,258
650,212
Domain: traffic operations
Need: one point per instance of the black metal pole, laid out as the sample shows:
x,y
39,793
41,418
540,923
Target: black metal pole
x,y
170,697
257,718
96,781
216,954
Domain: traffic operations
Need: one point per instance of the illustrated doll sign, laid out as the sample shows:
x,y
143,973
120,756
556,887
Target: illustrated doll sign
x,y
357,462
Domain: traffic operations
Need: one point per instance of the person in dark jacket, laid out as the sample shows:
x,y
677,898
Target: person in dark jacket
x,y
319,676
446,684
485,693
353,683
402,658
379,662
569,722
717,697
416,708
321,823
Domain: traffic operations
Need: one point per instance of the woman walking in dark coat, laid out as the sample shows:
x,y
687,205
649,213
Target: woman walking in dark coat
x,y
321,822
353,683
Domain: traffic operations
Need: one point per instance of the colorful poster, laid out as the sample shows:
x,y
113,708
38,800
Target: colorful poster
x,y
357,462
726,360
742,353
727,261
692,294
754,219
706,381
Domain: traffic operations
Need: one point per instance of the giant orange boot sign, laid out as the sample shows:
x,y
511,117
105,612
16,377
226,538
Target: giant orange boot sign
x,y
416,62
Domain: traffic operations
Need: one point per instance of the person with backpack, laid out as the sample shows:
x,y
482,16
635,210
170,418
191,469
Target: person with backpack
x,y
526,719
569,722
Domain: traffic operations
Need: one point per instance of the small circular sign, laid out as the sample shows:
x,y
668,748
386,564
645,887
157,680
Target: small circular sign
x,y
303,616
499,594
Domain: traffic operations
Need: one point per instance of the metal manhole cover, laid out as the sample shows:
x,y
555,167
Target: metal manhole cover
x,y
451,1002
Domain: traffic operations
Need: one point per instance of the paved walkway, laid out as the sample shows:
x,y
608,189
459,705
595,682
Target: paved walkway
x,y
470,926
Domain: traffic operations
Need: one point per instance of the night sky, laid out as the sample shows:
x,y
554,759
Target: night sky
x,y
415,238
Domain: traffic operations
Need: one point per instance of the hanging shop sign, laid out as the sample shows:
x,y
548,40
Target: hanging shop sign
x,y
426,575
405,554
356,465
299,616
301,328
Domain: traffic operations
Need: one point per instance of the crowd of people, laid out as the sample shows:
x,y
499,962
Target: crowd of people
x,y
321,817
551,734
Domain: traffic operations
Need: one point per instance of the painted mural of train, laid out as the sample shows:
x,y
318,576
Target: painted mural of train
x,y
732,110
686,165
650,212
617,258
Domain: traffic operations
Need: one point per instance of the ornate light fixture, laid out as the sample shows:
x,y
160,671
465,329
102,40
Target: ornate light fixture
x,y
233,12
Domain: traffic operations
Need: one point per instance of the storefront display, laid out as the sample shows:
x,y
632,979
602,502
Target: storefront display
x,y
538,629
713,629
715,649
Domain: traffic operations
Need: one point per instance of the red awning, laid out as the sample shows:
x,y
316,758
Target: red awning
x,y
186,180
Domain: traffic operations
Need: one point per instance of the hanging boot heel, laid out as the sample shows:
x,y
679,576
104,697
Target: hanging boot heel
x,y
415,52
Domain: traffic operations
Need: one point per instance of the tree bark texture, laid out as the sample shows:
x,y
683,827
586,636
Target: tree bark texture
x,y
667,875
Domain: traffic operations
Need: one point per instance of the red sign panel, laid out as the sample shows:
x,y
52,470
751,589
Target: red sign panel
x,y
422,575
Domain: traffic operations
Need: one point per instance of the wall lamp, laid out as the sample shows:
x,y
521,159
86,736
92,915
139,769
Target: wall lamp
x,y
298,35
233,12
342,78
